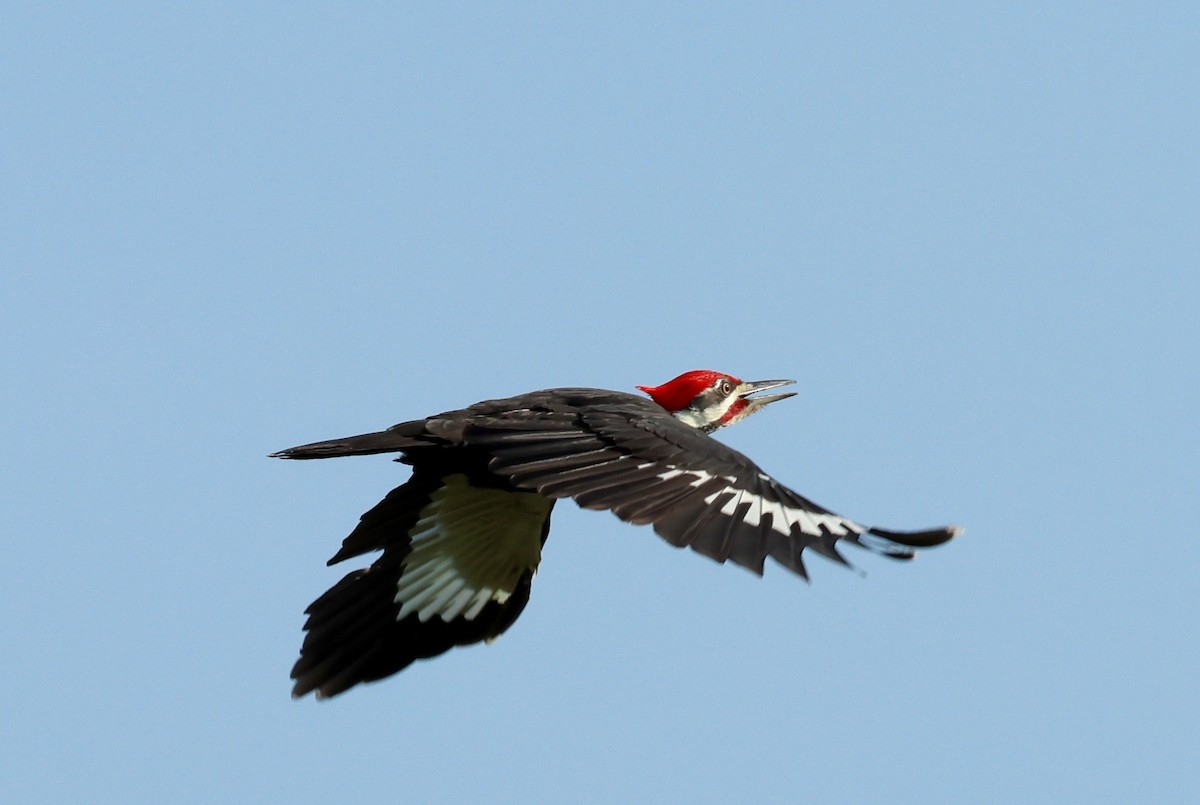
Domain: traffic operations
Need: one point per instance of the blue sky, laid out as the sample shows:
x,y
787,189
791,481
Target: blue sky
x,y
970,231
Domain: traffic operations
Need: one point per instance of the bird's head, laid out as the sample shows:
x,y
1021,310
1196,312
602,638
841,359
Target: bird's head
x,y
711,400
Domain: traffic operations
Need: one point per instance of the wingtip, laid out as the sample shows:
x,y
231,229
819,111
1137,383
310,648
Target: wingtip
x,y
918,539
904,545
299,692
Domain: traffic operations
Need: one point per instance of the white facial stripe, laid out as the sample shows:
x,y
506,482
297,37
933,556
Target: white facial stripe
x,y
726,404
704,418
692,417
783,518
470,546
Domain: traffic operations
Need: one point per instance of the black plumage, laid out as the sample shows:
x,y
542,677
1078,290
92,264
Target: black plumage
x,y
460,540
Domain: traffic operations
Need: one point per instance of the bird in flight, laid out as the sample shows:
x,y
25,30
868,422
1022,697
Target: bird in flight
x,y
462,538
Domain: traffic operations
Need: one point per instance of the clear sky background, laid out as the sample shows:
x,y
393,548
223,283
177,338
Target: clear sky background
x,y
970,231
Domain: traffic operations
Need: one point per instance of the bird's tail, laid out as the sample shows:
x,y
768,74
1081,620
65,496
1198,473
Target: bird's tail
x,y
393,440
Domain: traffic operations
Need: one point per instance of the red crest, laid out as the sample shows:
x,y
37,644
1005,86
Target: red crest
x,y
677,394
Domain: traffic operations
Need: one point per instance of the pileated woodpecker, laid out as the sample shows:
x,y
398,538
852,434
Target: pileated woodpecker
x,y
462,538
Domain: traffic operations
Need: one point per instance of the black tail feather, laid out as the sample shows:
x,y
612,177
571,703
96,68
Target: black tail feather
x,y
392,440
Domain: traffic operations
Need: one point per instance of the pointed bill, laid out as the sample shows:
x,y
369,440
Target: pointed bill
x,y
757,387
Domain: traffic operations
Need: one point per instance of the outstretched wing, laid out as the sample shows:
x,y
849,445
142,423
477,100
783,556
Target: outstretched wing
x,y
457,563
648,468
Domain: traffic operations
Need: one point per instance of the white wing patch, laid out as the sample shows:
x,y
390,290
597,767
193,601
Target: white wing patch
x,y
700,475
470,546
784,518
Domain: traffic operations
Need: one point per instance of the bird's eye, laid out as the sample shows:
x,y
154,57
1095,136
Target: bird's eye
x,y
724,386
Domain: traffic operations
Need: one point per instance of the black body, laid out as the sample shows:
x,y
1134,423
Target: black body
x,y
482,477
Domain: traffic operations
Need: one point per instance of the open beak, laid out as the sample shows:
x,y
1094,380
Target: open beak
x,y
756,403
